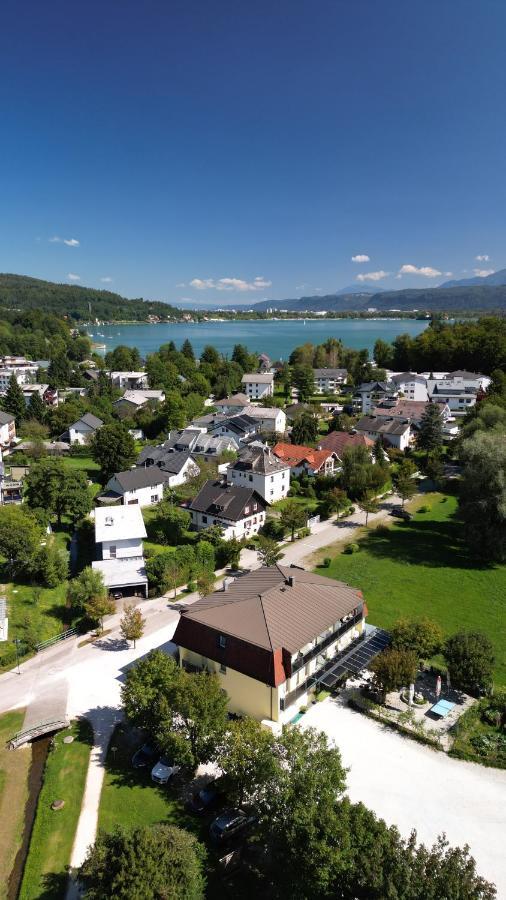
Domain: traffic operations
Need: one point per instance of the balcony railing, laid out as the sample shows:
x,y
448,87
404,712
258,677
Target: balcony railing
x,y
321,645
315,676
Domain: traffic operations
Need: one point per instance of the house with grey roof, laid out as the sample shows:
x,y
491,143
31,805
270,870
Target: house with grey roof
x,y
328,381
394,431
259,468
270,637
135,487
370,393
82,431
258,384
239,511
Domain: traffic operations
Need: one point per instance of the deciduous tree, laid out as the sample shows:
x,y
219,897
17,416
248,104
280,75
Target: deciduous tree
x,y
247,756
368,504
470,659
84,587
151,863
293,516
98,607
113,448
268,551
482,495
132,623
305,429
422,636
394,668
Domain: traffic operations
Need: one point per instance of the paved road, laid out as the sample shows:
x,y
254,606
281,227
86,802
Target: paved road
x,y
413,786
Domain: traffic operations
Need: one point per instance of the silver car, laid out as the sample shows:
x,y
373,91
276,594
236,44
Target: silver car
x,y
163,770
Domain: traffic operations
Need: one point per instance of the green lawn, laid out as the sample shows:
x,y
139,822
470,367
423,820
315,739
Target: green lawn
x,y
83,462
129,797
424,568
14,768
308,503
53,832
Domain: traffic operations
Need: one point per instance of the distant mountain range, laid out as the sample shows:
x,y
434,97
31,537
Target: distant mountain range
x,y
495,279
479,296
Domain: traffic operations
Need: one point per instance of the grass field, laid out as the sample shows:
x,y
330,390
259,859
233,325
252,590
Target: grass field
x,y
424,568
129,797
45,873
14,768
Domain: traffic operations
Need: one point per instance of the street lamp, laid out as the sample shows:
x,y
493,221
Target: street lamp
x,y
17,641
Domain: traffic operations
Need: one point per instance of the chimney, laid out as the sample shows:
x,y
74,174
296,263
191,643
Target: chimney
x,y
291,580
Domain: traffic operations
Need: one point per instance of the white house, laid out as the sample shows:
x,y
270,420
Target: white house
x,y
82,431
370,393
119,533
392,430
23,374
133,381
239,511
269,418
258,384
7,429
459,390
327,381
139,486
260,469
230,405
413,386
131,401
238,428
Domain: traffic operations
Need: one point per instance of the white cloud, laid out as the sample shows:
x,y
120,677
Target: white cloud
x,y
180,284
73,277
230,284
448,274
426,271
483,257
106,279
70,242
372,276
482,273
361,258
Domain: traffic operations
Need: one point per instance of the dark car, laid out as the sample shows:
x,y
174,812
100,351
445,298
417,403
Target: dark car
x,y
144,756
401,513
206,799
230,824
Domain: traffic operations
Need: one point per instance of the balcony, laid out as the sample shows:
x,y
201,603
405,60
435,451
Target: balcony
x,y
316,676
321,645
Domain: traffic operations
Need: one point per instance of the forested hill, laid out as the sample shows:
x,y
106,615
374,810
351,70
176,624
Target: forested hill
x,y
473,298
19,292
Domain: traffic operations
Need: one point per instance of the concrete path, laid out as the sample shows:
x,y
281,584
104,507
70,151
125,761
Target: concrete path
x,y
413,786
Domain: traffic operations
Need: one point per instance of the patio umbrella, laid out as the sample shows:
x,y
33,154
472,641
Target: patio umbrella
x,y
411,694
438,687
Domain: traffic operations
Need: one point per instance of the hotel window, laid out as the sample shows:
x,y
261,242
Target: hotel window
x,y
246,510
204,519
222,641
223,669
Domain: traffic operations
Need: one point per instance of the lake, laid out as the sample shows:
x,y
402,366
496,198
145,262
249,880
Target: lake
x,y
277,337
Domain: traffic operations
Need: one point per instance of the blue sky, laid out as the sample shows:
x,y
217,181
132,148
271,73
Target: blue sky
x,y
225,152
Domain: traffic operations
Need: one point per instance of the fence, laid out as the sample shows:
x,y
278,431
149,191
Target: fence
x,y
43,645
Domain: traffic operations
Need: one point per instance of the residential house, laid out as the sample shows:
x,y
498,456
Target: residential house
x,y
7,429
234,404
132,381
48,395
264,362
369,394
270,637
82,431
119,534
258,384
396,432
239,428
328,381
411,385
259,468
407,409
135,487
24,373
459,390
270,418
240,511
190,441
131,401
294,410
305,460
339,441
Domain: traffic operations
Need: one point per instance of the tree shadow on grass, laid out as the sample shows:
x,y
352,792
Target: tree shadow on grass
x,y
54,886
424,543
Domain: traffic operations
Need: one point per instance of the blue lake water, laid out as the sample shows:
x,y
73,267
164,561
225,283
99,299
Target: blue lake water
x,y
277,338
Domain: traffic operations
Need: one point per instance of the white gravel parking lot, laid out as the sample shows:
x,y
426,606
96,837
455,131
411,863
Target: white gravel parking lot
x,y
412,786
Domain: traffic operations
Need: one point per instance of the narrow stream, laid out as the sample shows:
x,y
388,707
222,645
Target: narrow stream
x,y
40,748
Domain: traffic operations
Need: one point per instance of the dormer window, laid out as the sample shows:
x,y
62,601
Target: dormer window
x,y
246,510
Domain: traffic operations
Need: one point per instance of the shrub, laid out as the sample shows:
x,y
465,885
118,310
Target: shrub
x,y
326,562
191,587
303,532
351,548
351,511
382,530
423,509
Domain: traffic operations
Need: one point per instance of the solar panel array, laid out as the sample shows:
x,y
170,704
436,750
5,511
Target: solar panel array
x,y
357,660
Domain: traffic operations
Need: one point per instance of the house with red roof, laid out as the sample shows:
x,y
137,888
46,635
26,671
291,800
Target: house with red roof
x,y
305,460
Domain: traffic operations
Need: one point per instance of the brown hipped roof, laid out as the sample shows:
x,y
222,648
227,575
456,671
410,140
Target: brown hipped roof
x,y
339,441
276,607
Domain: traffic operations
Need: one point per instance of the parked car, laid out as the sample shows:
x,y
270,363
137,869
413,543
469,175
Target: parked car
x,y
206,799
163,770
400,513
144,756
230,824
